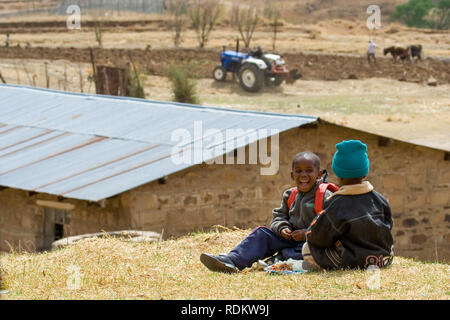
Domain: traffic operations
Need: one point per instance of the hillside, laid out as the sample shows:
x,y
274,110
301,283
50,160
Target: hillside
x,y
117,269
316,11
293,11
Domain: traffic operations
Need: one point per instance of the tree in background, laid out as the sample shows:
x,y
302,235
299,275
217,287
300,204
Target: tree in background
x,y
440,15
135,88
178,10
98,29
423,14
205,15
276,23
246,19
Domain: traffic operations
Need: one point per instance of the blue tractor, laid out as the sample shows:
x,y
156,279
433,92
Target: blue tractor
x,y
254,69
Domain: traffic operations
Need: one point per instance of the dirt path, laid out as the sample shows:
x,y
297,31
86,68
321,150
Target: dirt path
x,y
312,66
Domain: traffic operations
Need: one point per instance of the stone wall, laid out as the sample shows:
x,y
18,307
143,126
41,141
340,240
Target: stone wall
x,y
22,220
414,179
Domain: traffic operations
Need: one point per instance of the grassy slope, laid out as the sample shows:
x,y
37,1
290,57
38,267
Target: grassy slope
x,y
115,269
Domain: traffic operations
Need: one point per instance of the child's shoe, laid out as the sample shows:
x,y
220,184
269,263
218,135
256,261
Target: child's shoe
x,y
220,263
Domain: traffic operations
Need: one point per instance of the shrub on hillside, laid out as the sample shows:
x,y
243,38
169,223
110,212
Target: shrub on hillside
x,y
423,14
184,88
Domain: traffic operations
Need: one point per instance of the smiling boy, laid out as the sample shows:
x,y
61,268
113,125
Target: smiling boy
x,y
287,230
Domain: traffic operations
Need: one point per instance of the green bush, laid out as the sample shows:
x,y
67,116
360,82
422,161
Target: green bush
x,y
413,13
184,88
441,15
423,14
135,79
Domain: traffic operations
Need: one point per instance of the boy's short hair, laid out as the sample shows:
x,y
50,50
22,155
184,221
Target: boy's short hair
x,y
308,155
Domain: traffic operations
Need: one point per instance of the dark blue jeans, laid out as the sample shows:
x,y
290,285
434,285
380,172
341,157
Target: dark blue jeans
x,y
262,242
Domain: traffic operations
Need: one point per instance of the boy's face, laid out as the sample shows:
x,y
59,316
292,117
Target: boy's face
x,y
305,173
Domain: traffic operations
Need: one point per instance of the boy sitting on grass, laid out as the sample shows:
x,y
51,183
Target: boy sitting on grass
x,y
290,221
354,229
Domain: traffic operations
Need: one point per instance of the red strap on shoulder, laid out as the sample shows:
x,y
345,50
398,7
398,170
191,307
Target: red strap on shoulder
x,y
292,197
320,194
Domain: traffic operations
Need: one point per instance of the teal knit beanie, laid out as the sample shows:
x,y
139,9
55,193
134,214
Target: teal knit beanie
x,y
350,160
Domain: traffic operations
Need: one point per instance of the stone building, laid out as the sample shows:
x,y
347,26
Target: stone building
x,y
72,164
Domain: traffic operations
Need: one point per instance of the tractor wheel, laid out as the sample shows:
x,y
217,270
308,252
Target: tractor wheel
x,y
251,77
219,73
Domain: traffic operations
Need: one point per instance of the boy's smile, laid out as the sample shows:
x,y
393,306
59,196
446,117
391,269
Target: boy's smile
x,y
305,173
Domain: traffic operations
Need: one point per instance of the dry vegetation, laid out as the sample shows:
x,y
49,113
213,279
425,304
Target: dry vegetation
x,y
117,269
329,36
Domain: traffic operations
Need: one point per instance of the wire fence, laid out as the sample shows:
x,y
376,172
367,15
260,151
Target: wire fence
x,y
142,6
100,6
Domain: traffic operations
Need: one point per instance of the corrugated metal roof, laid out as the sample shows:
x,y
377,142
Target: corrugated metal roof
x,y
92,147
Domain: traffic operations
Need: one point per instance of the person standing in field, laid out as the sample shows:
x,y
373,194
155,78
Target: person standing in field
x,y
371,50
7,40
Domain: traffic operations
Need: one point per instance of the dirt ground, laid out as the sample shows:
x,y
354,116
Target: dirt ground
x,y
407,111
313,66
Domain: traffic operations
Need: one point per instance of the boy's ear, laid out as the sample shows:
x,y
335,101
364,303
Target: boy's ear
x,y
292,175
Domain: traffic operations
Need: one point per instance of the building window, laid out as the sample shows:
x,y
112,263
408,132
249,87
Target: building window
x,y
56,223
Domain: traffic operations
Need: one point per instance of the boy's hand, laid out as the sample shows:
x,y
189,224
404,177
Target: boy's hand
x,y
286,233
298,235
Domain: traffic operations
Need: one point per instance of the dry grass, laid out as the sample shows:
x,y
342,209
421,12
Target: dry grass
x,y
117,269
328,37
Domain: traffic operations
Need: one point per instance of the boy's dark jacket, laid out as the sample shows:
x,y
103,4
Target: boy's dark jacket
x,y
353,230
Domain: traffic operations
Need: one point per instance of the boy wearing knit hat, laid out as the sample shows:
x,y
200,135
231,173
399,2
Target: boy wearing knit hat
x,y
354,229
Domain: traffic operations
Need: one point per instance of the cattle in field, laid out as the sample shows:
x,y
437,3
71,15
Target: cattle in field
x,y
416,51
402,53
